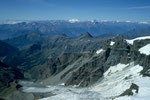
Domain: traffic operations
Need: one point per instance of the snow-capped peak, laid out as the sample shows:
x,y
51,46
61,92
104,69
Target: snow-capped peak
x,y
143,22
74,20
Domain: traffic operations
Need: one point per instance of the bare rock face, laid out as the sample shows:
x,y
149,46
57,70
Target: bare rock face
x,y
72,72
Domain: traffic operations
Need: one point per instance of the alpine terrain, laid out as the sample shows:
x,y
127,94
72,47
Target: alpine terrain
x,y
35,65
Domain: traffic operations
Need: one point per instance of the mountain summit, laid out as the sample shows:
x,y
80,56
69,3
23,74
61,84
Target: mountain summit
x,y
85,36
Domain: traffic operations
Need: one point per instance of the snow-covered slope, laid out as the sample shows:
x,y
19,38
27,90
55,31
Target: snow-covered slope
x,y
144,90
122,81
145,50
139,38
116,80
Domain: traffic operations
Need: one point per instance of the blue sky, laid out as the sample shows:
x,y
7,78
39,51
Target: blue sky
x,y
121,10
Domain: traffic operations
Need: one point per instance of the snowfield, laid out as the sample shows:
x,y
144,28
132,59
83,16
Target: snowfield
x,y
115,81
139,38
144,90
145,50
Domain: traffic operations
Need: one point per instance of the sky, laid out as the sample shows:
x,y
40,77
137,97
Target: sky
x,y
111,10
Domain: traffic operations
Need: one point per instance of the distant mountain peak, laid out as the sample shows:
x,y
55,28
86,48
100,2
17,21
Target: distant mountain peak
x,y
74,20
143,22
60,35
86,35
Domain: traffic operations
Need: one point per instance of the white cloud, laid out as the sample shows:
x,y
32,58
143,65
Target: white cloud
x,y
139,7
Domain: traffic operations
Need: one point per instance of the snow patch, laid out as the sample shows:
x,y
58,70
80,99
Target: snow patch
x,y
145,50
134,91
99,51
76,95
139,38
63,84
114,69
112,43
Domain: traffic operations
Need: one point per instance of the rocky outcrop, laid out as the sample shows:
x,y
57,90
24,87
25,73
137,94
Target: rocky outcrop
x,y
129,92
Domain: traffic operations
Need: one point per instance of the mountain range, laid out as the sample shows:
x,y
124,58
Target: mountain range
x,y
72,29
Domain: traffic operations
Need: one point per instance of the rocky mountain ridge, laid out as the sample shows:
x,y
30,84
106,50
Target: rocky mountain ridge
x,y
89,67
41,48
